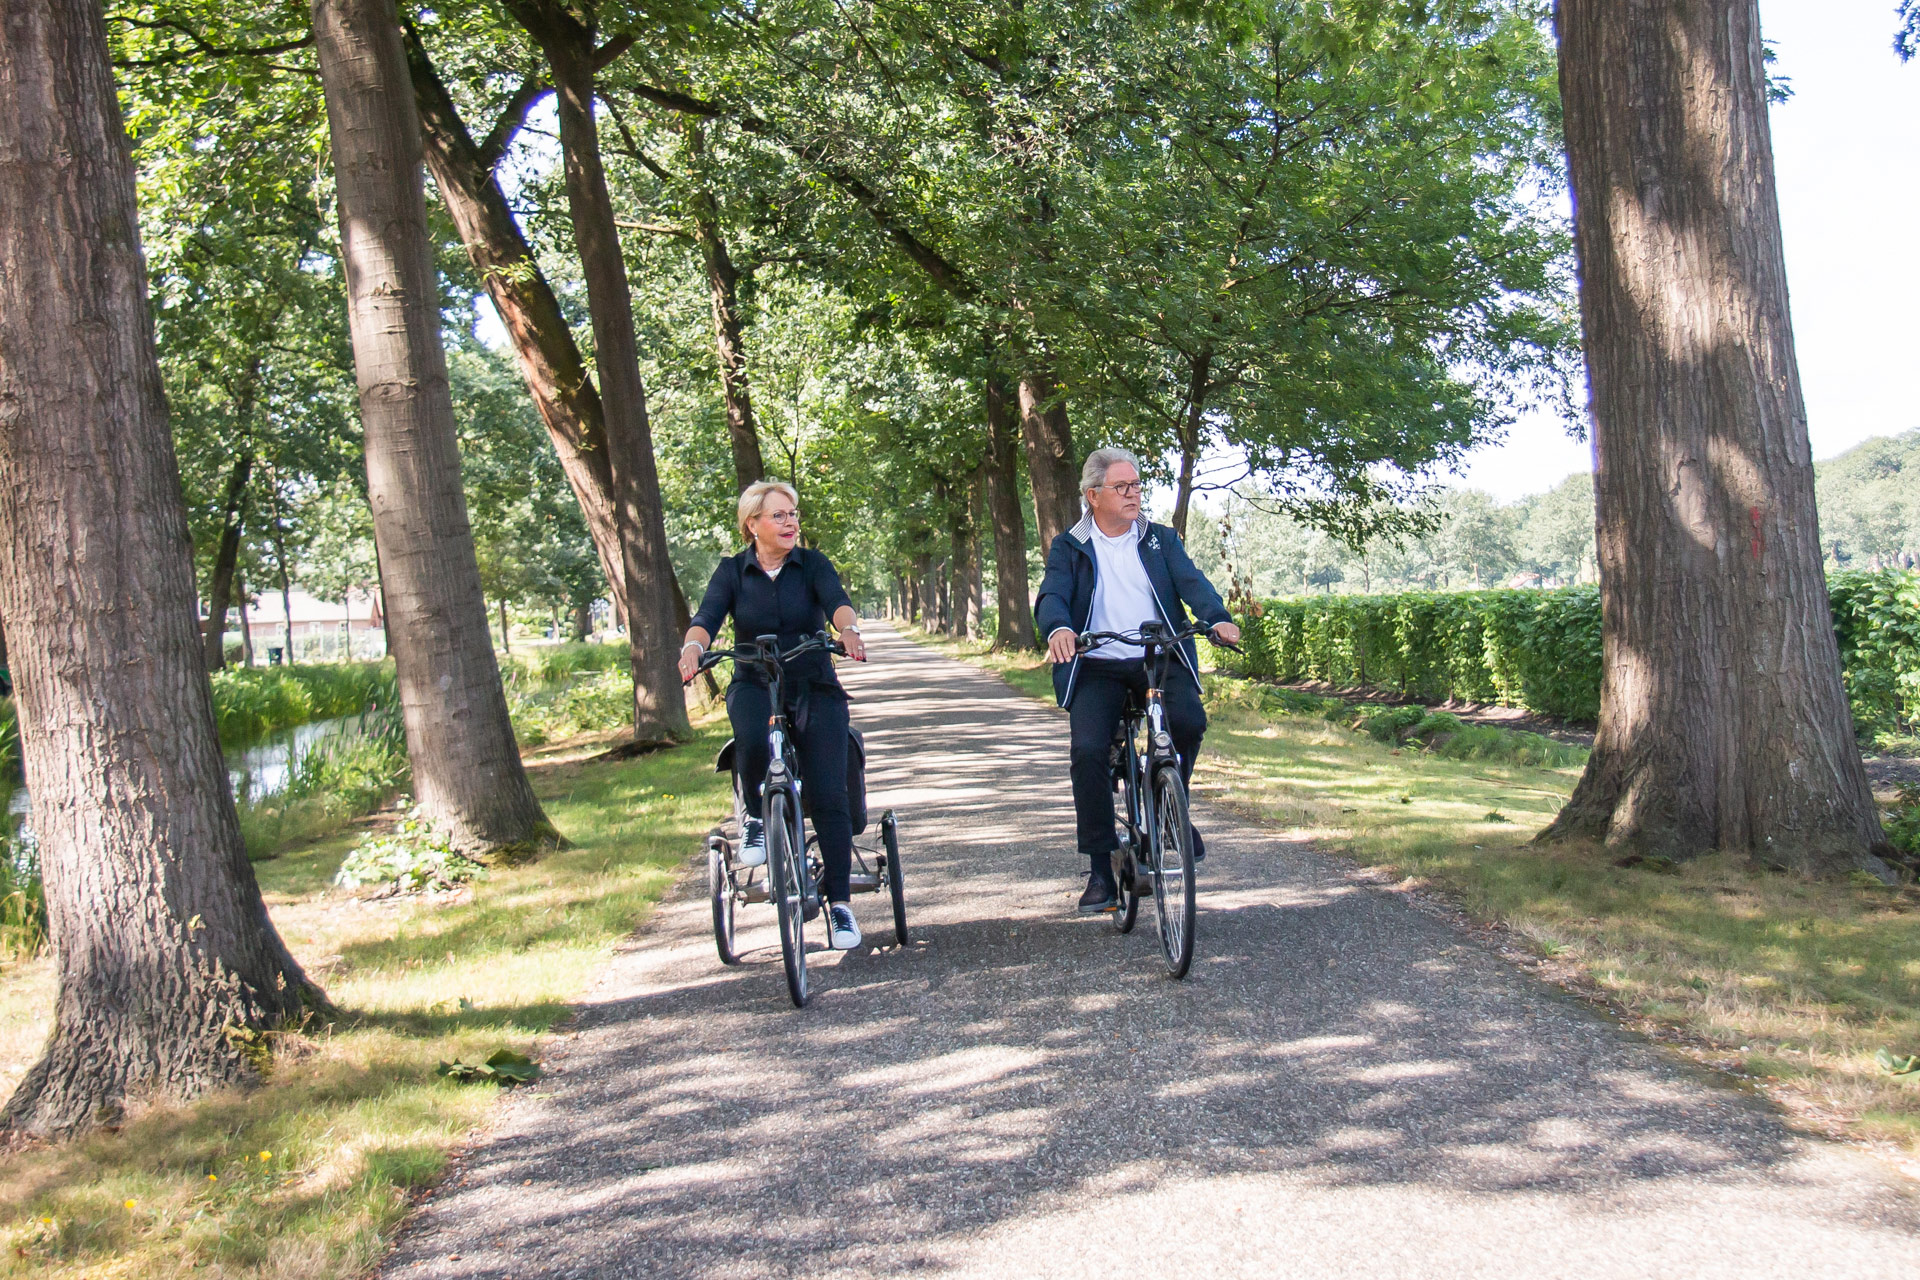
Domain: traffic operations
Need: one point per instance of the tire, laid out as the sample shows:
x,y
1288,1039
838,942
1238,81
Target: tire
x,y
786,873
1128,889
890,837
720,890
1171,856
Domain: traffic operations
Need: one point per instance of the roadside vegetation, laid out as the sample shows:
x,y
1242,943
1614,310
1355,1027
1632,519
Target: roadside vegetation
x,y
308,1174
1807,989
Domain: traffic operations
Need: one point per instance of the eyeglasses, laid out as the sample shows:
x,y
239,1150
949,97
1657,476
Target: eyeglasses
x,y
781,517
1126,488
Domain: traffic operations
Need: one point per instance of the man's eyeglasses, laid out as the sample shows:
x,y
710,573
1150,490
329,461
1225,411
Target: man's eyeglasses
x,y
786,517
1126,488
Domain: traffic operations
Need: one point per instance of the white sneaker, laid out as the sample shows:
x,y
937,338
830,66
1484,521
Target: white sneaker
x,y
843,930
753,845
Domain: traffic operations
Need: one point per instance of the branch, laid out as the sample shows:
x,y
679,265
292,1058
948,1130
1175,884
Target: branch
x,y
609,53
654,228
204,48
512,116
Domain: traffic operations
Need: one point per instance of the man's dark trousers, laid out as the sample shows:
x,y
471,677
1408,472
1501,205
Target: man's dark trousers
x,y
1099,698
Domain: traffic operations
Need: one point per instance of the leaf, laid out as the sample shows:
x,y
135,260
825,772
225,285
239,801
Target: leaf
x,y
503,1066
1901,1067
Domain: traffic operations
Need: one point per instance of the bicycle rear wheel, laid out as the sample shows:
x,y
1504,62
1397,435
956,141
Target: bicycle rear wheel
x,y
1127,887
720,889
786,868
890,837
1171,856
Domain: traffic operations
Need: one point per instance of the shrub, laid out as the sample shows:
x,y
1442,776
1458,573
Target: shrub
x,y
1541,649
556,663
600,701
336,780
23,899
411,857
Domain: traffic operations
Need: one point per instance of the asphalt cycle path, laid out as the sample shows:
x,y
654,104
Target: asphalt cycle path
x,y
1345,1085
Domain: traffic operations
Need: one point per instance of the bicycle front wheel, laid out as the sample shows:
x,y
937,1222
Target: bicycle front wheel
x,y
787,870
1172,858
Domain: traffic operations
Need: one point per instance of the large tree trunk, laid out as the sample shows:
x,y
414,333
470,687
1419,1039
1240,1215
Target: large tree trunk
x,y
543,343
1014,629
226,559
723,288
660,707
959,554
163,947
1051,464
976,521
1723,723
1197,388
466,767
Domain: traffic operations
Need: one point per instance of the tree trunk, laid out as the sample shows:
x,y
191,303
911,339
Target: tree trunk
x,y
246,623
583,622
976,521
286,581
226,559
543,342
1723,722
1014,629
660,706
466,767
1197,388
163,948
505,647
959,535
723,288
1051,464
925,593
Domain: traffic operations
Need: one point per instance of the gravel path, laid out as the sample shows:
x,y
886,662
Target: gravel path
x,y
1345,1086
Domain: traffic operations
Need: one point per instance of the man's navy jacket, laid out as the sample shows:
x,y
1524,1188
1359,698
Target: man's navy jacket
x,y
1066,593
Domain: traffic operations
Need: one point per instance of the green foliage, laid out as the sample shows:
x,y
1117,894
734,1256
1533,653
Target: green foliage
x,y
250,701
336,780
556,663
1877,618
601,700
1902,824
1869,501
23,899
1534,649
413,856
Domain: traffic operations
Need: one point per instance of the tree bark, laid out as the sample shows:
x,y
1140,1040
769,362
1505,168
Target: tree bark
x,y
1013,631
543,343
1198,368
226,559
976,521
466,767
582,621
1723,721
925,593
1051,464
166,961
286,580
729,341
959,546
660,707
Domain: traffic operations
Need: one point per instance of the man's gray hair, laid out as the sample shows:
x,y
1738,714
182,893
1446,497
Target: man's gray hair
x,y
1101,461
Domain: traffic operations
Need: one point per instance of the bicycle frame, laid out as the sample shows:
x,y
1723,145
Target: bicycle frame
x,y
1157,642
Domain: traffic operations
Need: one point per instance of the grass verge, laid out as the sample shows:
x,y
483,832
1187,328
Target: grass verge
x,y
309,1174
1795,986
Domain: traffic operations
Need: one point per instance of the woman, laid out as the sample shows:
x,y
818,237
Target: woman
x,y
776,587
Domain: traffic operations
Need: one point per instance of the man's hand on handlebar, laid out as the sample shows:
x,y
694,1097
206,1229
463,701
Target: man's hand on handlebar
x,y
1228,632
1062,645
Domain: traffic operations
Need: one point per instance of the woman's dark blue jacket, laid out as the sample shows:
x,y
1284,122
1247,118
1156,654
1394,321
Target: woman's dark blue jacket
x,y
793,606
1066,593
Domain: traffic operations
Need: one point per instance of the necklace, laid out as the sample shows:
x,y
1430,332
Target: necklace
x,y
770,569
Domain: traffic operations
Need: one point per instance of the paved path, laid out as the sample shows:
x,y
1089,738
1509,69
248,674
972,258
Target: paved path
x,y
1345,1085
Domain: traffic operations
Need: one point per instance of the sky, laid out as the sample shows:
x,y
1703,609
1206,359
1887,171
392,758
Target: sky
x,y
1847,156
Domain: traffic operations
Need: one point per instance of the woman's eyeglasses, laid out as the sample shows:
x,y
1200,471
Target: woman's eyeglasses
x,y
785,517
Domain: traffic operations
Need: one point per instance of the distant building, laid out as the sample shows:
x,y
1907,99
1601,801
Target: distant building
x,y
323,630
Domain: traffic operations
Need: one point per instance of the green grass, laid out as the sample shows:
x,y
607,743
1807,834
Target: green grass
x,y
1794,983
251,701
353,1116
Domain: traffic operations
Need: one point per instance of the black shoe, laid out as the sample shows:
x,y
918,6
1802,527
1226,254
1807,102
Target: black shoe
x,y
1100,896
1199,845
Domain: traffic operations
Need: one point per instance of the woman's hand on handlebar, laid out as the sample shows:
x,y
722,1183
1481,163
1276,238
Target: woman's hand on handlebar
x,y
689,662
854,645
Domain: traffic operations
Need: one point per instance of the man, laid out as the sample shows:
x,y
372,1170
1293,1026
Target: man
x,y
1111,572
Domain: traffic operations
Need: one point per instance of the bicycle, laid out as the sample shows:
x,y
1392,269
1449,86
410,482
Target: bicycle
x,y
1159,866
791,876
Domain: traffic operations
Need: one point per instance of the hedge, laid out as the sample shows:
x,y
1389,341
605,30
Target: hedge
x,y
1540,650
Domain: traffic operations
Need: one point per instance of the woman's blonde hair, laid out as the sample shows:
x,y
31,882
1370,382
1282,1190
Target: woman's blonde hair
x,y
755,497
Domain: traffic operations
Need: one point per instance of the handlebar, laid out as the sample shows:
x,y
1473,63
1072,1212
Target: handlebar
x,y
1149,634
765,651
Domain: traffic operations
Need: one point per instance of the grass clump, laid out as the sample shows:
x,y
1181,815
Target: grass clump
x,y
251,701
358,1118
413,856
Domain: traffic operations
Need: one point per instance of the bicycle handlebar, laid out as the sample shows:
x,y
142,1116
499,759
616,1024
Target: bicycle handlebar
x,y
1089,640
764,651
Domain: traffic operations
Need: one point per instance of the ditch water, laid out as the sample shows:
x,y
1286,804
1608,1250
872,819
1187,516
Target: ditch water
x,y
260,769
